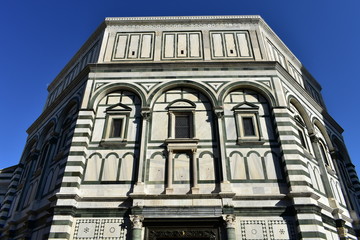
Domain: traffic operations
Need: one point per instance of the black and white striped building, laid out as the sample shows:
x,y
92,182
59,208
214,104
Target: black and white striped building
x,y
160,128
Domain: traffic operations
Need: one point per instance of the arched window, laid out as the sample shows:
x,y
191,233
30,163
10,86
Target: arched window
x,y
44,155
324,153
181,119
66,129
301,128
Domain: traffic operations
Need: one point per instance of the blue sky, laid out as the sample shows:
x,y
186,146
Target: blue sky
x,y
39,37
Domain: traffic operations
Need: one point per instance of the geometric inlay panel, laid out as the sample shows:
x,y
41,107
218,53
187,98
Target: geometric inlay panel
x,y
253,229
95,228
267,229
280,229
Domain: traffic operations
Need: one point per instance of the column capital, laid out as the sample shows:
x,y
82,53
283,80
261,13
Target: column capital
x,y
334,154
136,221
219,112
146,113
230,220
314,138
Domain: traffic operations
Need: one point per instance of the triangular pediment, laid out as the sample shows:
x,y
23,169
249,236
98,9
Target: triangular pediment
x,y
119,107
246,106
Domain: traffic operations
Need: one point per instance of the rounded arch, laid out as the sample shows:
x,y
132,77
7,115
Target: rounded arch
x,y
271,152
127,154
64,113
94,154
253,152
154,94
191,104
236,152
157,153
323,131
108,88
341,148
309,126
45,132
206,152
31,145
112,153
227,88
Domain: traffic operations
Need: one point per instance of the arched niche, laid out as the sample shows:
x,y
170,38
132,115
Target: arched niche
x,y
299,107
108,88
160,89
227,88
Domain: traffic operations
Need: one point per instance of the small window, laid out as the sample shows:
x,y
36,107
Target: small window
x,y
181,120
115,131
116,128
248,126
247,123
183,126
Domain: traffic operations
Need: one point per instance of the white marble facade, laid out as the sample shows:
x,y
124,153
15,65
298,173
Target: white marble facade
x,y
183,127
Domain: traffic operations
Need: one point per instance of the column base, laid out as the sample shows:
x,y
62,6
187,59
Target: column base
x,y
225,187
139,188
194,190
169,190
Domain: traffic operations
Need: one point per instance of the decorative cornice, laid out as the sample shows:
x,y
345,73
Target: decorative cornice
x,y
96,36
172,19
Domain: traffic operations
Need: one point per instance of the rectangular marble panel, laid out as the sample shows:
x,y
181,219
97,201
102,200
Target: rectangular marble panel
x,y
156,169
243,45
217,44
169,45
182,167
230,45
237,167
146,46
134,46
203,125
194,45
113,99
159,119
182,45
206,168
126,169
121,46
110,169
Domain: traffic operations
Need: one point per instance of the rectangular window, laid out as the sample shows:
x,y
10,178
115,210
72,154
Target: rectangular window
x,y
248,126
183,126
116,128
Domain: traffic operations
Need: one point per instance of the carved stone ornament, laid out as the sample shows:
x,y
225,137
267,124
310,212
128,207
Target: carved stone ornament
x,y
181,233
219,113
314,138
230,220
136,221
146,114
342,231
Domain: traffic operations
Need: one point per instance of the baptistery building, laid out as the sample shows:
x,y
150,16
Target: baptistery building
x,y
182,128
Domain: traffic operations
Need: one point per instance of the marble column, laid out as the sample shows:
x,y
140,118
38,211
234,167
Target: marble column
x,y
230,226
136,226
195,187
169,188
225,184
341,229
139,186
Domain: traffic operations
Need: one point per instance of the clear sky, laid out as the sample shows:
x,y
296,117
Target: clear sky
x,y
39,37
